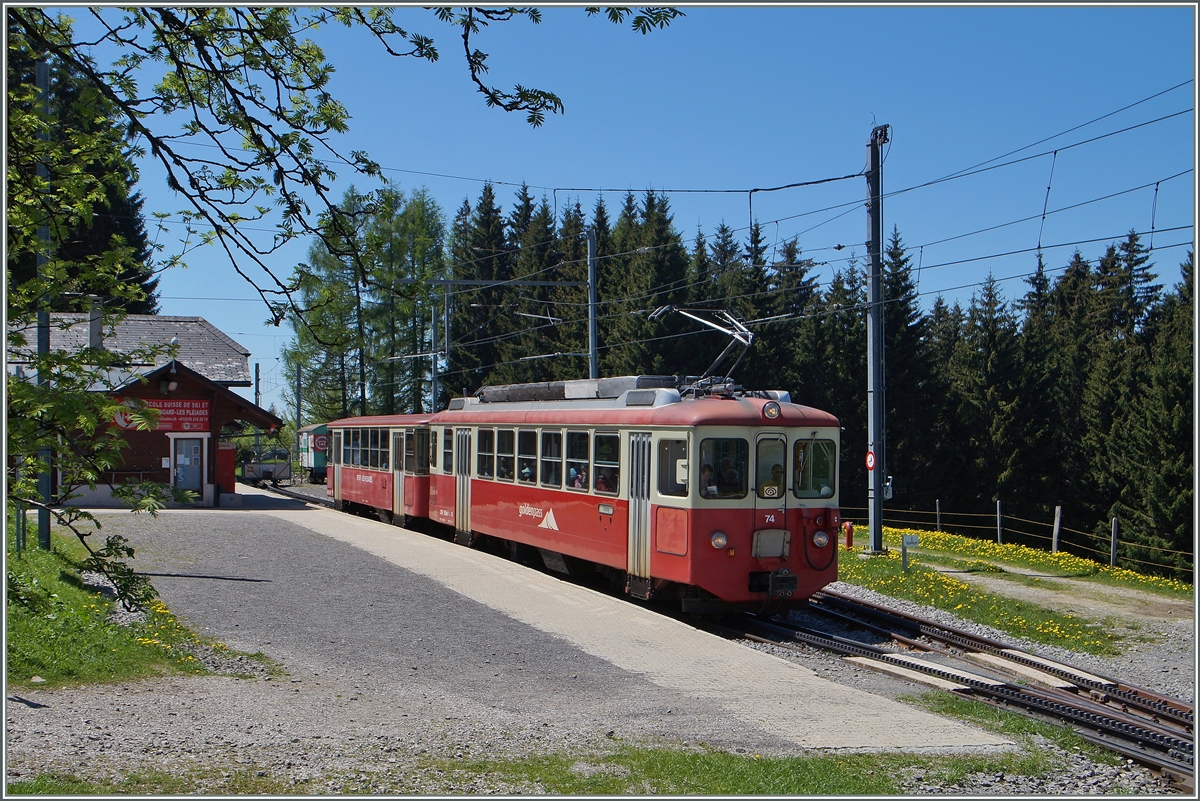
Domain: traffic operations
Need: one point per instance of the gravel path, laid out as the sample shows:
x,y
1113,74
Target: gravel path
x,y
372,689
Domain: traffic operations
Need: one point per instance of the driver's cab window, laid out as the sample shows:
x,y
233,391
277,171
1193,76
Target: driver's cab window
x,y
768,469
814,468
723,463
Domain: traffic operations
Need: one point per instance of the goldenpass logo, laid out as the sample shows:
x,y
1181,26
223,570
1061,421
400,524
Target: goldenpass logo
x,y
530,511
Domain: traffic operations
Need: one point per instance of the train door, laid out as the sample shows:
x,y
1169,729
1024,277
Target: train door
x,y
462,486
334,482
771,536
398,476
638,556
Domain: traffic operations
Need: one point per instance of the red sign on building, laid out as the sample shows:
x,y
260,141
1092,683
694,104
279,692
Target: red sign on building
x,y
173,415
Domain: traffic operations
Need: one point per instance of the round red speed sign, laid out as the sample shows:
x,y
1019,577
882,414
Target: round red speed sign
x,y
870,460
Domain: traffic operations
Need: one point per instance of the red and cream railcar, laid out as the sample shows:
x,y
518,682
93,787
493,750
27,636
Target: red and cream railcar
x,y
381,462
725,496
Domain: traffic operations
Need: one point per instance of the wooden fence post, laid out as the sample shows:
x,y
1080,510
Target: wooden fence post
x,y
999,525
1057,528
1112,560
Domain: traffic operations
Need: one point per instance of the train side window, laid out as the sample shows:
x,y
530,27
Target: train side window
x,y
422,451
723,465
335,453
552,459
383,449
814,468
504,454
448,450
527,456
672,467
608,463
486,460
355,448
577,460
372,459
398,449
410,453
433,447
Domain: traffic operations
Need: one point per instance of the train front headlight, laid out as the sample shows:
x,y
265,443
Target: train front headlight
x,y
771,410
820,539
719,540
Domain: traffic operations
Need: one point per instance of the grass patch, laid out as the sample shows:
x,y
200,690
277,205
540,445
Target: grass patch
x,y
929,587
242,781
1062,565
625,770
58,630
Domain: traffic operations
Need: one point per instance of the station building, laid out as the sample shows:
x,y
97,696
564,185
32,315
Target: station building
x,y
192,392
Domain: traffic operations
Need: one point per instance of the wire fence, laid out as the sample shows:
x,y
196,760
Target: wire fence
x,y
1034,532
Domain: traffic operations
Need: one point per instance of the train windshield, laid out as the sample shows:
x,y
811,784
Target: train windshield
x,y
723,465
815,468
768,474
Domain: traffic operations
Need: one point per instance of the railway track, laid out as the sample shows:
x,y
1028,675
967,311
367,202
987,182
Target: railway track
x,y
301,496
1151,728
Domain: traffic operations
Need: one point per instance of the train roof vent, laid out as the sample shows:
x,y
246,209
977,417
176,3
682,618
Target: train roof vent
x,y
781,395
651,397
613,387
457,403
584,388
640,397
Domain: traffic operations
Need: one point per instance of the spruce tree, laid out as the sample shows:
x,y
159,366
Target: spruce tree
x,y
1154,449
906,380
109,220
1037,469
985,372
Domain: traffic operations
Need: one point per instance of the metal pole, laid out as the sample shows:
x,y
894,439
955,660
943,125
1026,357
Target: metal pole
x,y
1112,559
1057,528
999,525
876,462
938,502
433,347
299,369
45,456
593,354
257,402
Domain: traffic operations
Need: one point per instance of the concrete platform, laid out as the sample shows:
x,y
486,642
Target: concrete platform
x,y
757,689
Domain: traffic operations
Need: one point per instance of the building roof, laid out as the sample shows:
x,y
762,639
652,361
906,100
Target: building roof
x,y
201,346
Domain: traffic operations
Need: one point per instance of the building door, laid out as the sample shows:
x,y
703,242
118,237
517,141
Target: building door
x,y
189,464
639,511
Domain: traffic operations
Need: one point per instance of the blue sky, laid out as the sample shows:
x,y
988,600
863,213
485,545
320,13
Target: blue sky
x,y
737,98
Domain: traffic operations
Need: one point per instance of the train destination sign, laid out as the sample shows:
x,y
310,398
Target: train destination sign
x,y
174,414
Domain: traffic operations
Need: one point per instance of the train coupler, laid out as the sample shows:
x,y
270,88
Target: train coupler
x,y
781,583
